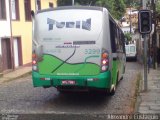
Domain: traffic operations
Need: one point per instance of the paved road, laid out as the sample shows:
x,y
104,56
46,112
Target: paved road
x,y
20,97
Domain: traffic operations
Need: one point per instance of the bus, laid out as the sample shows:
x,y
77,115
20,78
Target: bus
x,y
77,48
131,52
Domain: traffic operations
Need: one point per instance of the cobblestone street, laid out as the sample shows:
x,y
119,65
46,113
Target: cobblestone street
x,y
19,96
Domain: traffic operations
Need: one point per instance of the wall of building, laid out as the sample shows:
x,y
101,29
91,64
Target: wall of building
x,y
45,3
23,28
134,16
127,29
5,30
5,24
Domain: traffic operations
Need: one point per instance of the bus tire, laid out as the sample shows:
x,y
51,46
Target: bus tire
x,y
112,90
124,69
113,87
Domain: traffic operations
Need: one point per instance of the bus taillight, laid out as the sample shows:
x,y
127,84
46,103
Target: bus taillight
x,y
104,61
34,56
34,62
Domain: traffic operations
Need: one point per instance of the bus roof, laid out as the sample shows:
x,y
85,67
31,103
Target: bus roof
x,y
72,7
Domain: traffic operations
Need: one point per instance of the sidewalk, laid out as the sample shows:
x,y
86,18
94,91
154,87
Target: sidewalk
x,y
149,101
20,72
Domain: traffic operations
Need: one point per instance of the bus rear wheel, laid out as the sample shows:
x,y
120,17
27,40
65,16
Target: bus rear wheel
x,y
112,91
113,87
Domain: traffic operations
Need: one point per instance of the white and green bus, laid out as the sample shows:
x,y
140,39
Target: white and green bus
x,y
77,48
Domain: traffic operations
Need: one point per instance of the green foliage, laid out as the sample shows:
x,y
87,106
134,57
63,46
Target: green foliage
x,y
133,3
128,36
158,7
115,7
119,9
108,4
64,2
77,2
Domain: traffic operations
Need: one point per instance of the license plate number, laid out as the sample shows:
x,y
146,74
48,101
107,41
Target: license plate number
x,y
68,82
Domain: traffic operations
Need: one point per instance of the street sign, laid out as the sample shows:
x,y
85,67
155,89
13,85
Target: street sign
x,y
145,21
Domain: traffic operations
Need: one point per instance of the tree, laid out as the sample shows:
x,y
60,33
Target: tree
x,y
86,2
108,4
64,2
128,37
119,9
115,7
158,7
133,3
77,2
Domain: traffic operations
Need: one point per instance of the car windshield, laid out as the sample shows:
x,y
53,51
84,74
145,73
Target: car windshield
x,y
127,48
132,49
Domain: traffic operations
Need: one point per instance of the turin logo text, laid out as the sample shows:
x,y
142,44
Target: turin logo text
x,y
86,25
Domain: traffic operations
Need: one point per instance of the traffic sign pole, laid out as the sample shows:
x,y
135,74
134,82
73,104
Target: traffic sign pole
x,y
145,63
145,27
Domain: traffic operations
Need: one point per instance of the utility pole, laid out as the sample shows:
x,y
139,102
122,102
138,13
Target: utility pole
x,y
154,36
130,20
130,17
72,2
145,27
145,63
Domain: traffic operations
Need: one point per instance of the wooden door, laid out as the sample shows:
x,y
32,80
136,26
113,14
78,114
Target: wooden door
x,y
6,54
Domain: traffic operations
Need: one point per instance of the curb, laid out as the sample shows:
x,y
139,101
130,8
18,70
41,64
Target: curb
x,y
138,97
4,80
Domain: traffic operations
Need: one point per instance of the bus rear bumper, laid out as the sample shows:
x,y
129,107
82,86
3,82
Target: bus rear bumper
x,y
103,80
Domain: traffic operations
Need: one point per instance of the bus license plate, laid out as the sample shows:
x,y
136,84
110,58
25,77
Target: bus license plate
x,y
68,82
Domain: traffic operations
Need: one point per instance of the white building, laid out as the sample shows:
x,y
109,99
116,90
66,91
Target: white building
x,y
126,29
5,32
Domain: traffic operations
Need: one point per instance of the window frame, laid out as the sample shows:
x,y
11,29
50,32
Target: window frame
x,y
39,4
112,35
51,5
3,14
17,11
28,9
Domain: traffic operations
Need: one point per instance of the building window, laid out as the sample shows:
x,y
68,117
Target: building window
x,y
51,5
2,9
27,7
39,4
15,9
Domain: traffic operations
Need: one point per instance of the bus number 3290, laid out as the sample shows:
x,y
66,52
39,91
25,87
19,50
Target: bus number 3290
x,y
92,51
